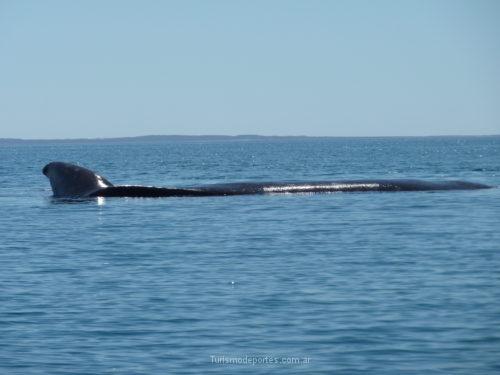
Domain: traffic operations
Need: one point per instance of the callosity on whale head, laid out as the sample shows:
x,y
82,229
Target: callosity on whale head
x,y
73,181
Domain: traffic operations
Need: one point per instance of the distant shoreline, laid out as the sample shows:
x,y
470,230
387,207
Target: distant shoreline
x,y
217,138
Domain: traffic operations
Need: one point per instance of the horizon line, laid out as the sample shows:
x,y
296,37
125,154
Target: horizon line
x,y
238,136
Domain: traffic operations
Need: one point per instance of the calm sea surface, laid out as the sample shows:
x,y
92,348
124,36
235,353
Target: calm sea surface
x,y
343,283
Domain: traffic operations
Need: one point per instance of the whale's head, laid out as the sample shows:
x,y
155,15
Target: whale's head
x,y
69,180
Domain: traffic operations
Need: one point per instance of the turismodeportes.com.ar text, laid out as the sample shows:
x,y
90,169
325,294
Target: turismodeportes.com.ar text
x,y
258,360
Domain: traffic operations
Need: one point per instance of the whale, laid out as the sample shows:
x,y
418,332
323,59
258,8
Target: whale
x,y
73,181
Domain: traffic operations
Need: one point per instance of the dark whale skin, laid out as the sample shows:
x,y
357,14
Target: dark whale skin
x,y
247,188
73,181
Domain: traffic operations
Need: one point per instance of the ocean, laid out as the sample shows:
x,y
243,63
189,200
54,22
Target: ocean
x,y
340,283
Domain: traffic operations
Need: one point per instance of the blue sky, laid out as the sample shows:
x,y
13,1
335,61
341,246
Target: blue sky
x,y
323,68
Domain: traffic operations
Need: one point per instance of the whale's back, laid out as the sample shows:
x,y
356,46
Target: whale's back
x,y
247,188
69,180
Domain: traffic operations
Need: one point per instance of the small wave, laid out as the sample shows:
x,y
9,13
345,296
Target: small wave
x,y
488,169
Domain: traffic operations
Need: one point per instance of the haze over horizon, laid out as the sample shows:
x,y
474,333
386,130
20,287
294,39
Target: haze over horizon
x,y
223,137
89,69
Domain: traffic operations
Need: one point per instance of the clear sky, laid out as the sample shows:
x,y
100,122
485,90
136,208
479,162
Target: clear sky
x,y
333,68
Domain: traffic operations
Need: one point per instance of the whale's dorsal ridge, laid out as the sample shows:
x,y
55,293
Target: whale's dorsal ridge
x,y
70,180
